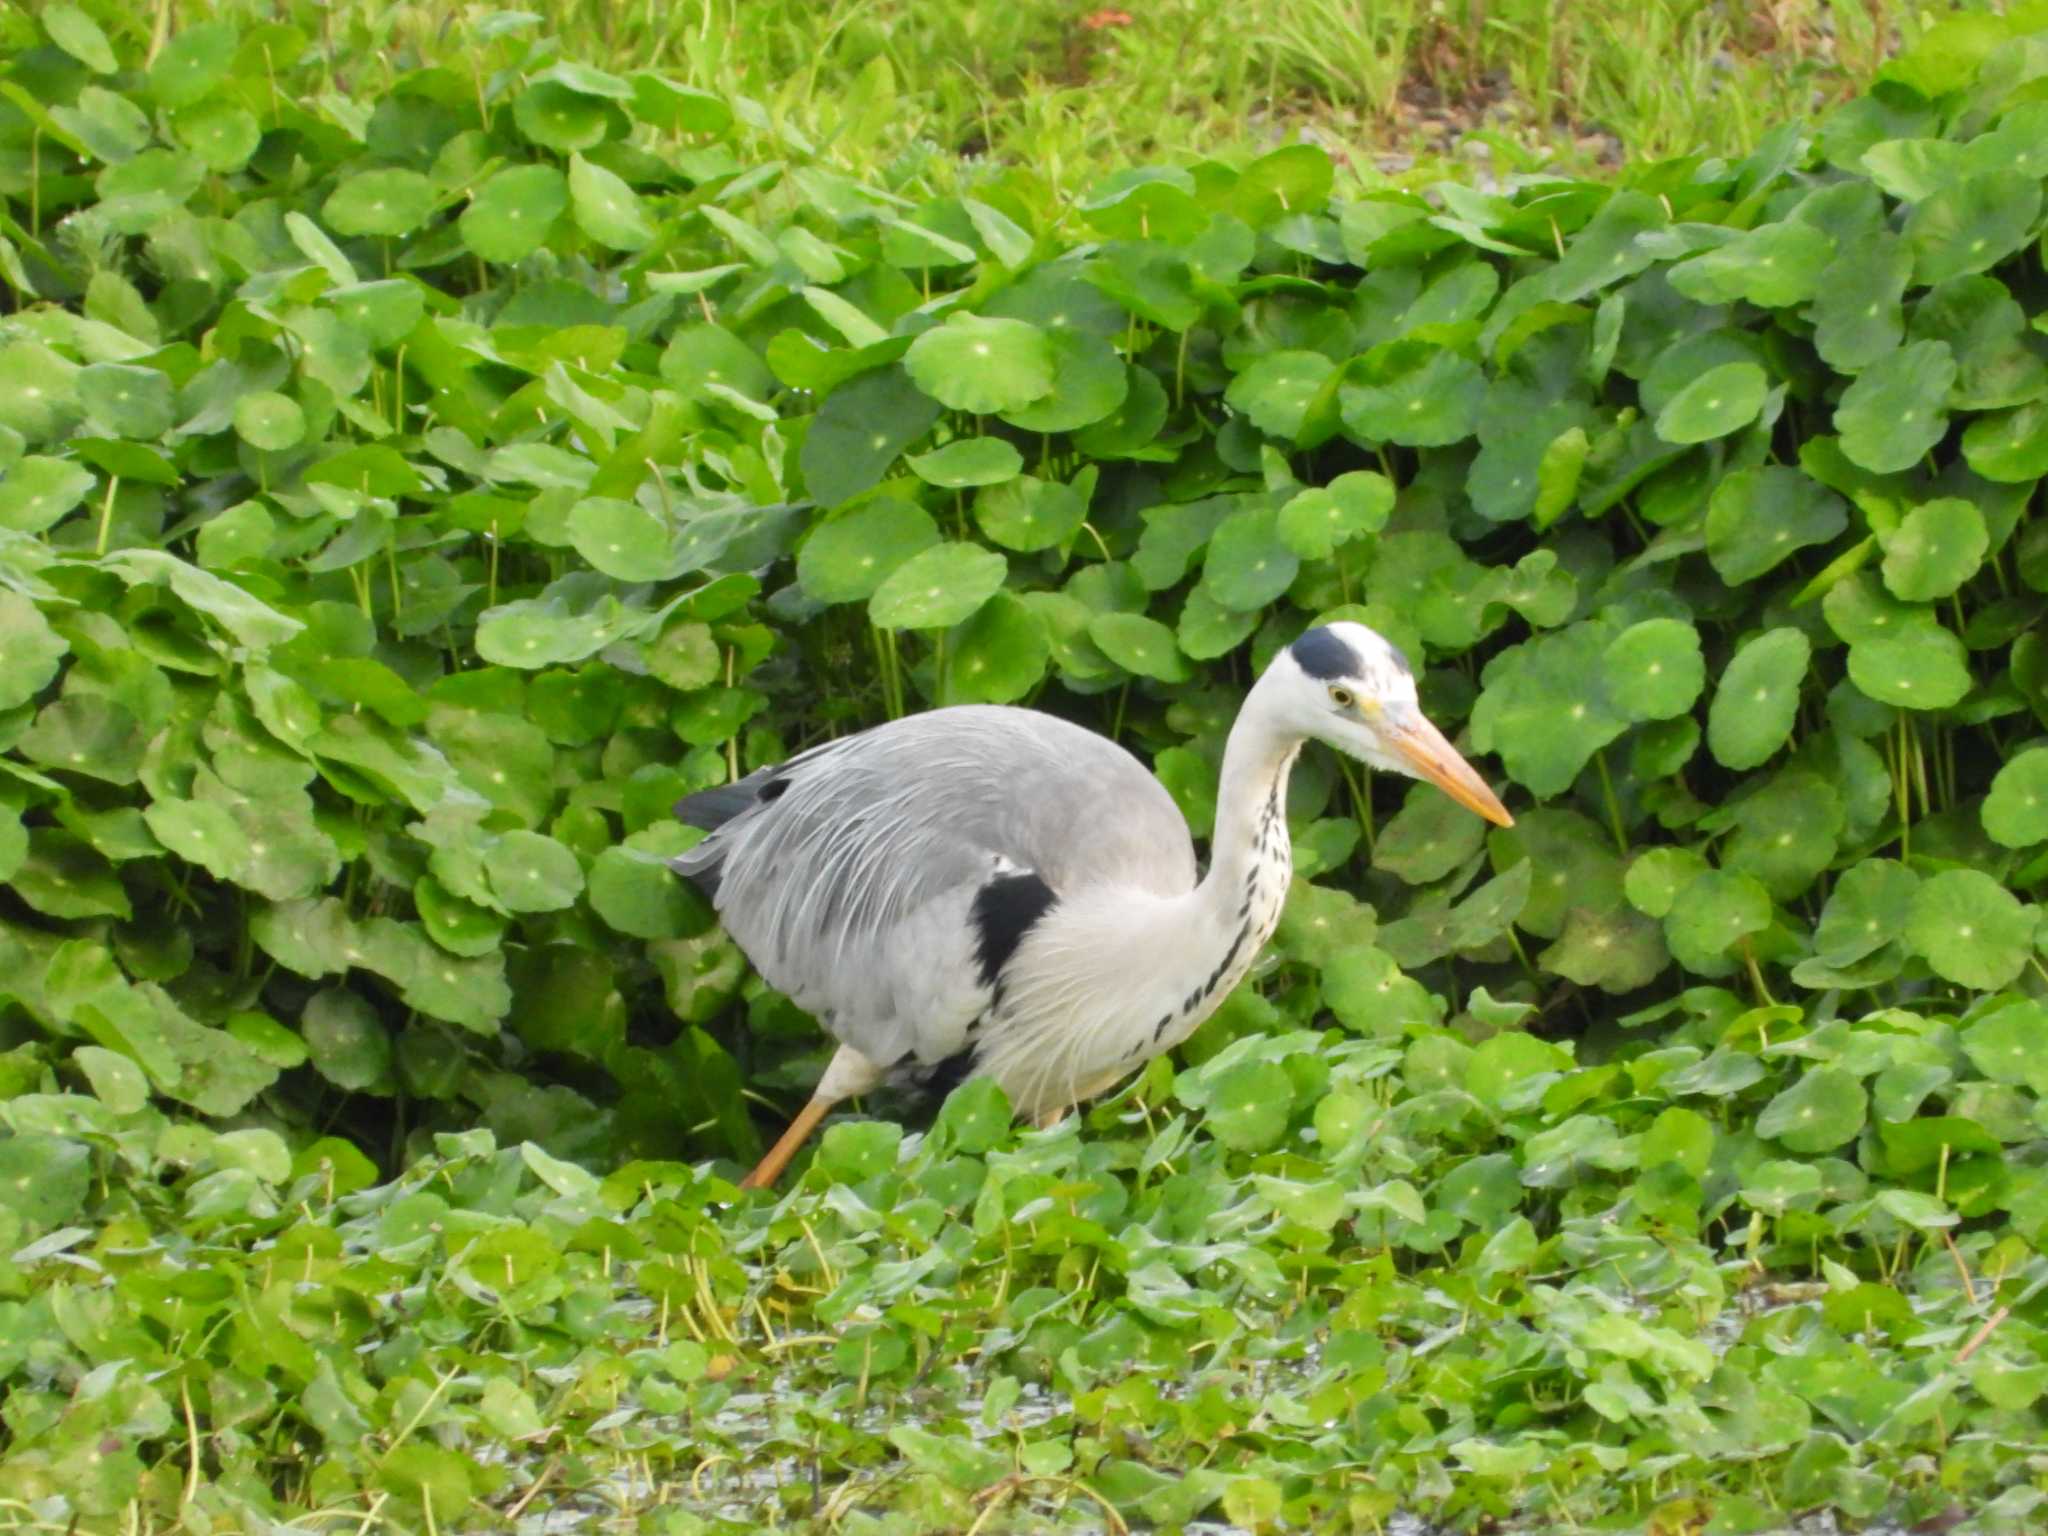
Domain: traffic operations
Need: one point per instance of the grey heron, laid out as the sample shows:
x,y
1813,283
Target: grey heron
x,y
983,890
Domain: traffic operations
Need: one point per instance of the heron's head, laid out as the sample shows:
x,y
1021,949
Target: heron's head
x,y
1345,685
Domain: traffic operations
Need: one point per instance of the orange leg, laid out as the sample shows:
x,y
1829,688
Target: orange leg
x,y
769,1169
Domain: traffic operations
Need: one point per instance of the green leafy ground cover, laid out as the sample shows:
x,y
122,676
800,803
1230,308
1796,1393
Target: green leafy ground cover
x,y
408,495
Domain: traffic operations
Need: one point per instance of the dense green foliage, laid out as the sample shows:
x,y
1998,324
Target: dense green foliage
x,y
407,497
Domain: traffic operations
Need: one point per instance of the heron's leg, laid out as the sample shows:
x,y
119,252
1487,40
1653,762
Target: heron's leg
x,y
769,1169
1049,1118
847,1074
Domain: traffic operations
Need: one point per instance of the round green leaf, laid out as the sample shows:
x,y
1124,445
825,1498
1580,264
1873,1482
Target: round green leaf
x,y
1315,522
512,213
125,401
1711,915
981,365
638,895
1090,382
1824,1109
1857,316
1277,389
1412,393
1761,516
997,656
1654,670
621,538
606,208
1247,566
347,1043
270,421
1027,513
937,587
381,202
459,926
556,116
1249,1105
2016,811
1970,929
1972,224
197,58
1718,402
1867,909
2011,447
847,558
2010,1045
1140,645
1785,833
1935,549
1923,666
531,872
857,434
1896,410
80,36
40,492
967,461
221,133
1758,699
45,1181
200,833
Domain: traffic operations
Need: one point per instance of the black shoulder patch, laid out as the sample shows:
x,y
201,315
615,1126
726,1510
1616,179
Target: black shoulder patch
x,y
1003,913
1323,654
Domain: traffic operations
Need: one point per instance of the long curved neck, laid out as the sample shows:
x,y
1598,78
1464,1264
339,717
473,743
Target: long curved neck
x,y
1250,854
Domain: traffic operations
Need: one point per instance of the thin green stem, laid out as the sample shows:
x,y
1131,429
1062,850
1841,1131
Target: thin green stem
x,y
1613,805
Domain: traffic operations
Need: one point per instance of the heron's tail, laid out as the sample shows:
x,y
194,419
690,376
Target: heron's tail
x,y
711,809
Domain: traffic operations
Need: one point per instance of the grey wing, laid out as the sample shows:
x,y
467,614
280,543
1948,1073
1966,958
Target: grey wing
x,y
881,880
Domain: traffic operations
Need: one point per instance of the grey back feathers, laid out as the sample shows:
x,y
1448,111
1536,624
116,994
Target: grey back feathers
x,y
883,880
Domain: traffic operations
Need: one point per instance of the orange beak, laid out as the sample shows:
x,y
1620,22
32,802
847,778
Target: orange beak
x,y
1425,749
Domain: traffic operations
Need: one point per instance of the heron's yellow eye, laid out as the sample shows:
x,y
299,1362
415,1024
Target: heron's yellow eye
x,y
1343,698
